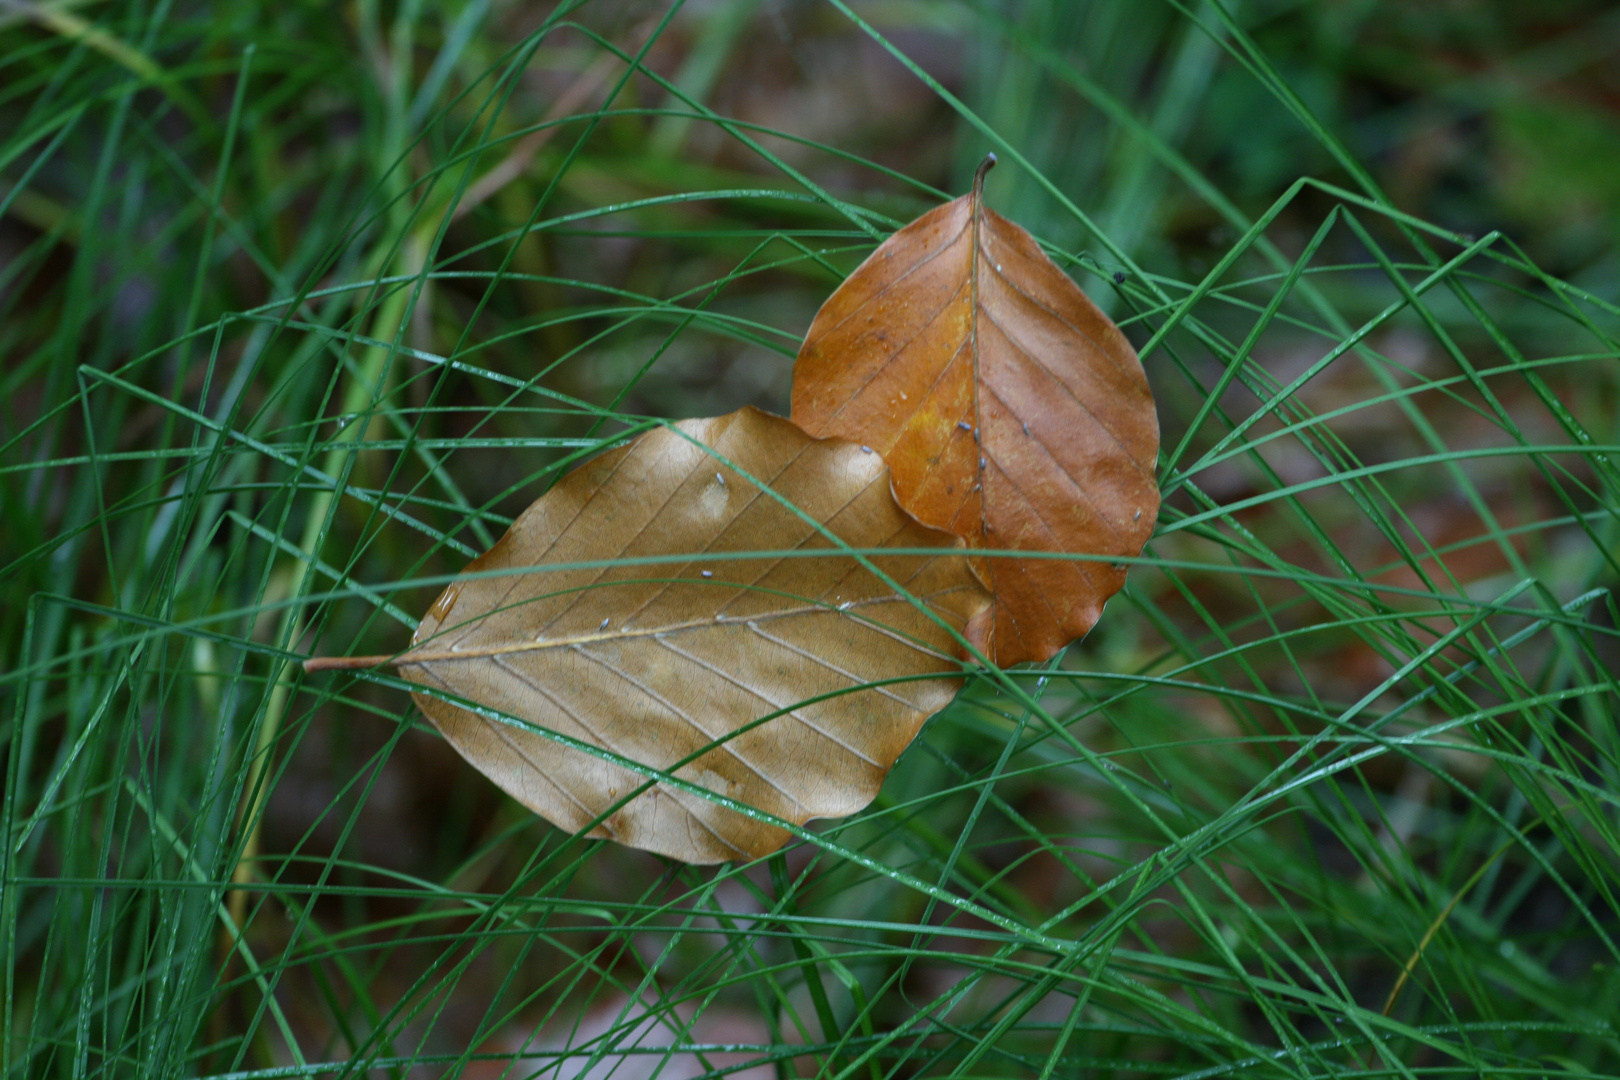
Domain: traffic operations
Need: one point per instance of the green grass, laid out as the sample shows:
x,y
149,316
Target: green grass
x,y
1331,790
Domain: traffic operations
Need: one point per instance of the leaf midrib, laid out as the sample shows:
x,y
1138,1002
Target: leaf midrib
x,y
414,658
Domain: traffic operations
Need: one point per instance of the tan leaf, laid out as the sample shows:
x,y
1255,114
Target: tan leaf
x,y
1012,412
656,662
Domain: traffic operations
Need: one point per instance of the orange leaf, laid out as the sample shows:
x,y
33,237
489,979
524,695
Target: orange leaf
x,y
1011,412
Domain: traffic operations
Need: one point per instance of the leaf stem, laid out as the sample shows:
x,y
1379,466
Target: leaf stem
x,y
985,166
347,663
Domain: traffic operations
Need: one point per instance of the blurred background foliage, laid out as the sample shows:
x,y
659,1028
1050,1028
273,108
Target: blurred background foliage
x,y
301,302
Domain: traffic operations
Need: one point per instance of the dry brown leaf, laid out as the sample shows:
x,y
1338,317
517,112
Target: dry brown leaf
x,y
655,662
1011,411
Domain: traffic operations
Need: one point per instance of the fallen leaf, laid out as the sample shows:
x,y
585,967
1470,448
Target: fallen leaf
x,y
655,662
1011,411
